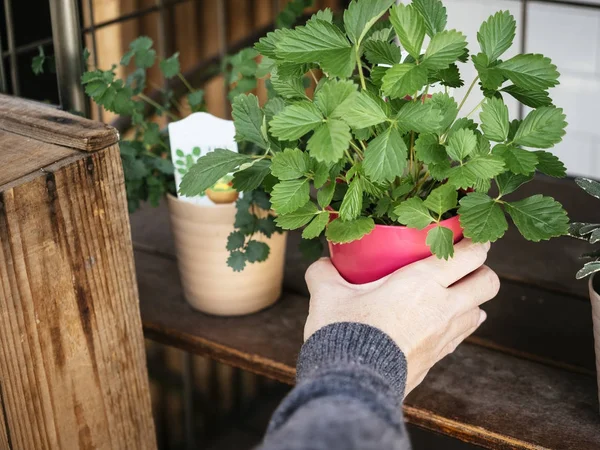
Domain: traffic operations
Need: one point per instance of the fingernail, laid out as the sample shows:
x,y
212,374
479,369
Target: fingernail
x,y
482,317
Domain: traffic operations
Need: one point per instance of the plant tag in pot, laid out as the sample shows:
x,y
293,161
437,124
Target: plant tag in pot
x,y
193,137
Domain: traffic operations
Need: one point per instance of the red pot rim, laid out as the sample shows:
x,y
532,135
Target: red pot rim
x,y
377,225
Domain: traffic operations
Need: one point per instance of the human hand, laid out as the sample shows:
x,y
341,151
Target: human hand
x,y
428,308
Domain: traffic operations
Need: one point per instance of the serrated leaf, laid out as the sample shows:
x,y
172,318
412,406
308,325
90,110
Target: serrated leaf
x,y
442,199
359,110
385,157
491,77
329,141
341,232
257,251
538,217
318,42
290,164
351,206
298,218
440,171
481,218
474,170
542,128
461,144
289,88
248,120
530,71
237,261
267,46
410,28
429,150
588,269
170,66
382,52
448,109
404,79
494,119
433,13
517,160
316,227
209,169
320,173
251,178
449,76
444,49
325,194
266,226
295,121
533,99
195,100
288,196
496,34
441,242
590,186
419,117
413,213
509,182
332,93
235,240
362,15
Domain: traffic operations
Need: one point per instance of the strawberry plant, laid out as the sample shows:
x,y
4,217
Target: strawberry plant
x,y
588,231
382,142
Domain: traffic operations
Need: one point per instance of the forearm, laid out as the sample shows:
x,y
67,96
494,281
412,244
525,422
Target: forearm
x,y
350,385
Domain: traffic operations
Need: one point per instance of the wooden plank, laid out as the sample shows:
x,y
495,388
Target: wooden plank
x,y
479,395
72,361
47,124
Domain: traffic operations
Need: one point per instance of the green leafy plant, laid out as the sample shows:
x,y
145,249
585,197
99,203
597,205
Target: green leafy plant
x,y
375,147
588,231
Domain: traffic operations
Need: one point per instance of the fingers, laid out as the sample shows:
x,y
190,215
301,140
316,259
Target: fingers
x,y
475,289
474,319
320,273
468,257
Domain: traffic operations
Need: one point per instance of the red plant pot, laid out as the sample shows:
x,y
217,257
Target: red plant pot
x,y
384,250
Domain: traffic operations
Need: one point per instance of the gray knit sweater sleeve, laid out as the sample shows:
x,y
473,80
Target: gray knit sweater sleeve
x,y
348,396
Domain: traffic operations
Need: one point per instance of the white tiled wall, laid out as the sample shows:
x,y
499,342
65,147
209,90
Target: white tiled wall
x,y
570,36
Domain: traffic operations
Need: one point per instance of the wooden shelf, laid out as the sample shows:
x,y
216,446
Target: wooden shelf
x,y
526,380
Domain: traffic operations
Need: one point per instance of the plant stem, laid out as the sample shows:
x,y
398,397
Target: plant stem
x,y
462,103
186,82
360,70
151,102
312,74
412,151
360,153
476,108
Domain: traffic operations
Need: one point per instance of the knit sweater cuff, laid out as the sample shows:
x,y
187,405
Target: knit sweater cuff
x,y
353,344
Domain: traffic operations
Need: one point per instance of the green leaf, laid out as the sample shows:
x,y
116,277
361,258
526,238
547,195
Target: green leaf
x,y
319,42
235,240
266,226
295,121
517,160
362,15
352,204
385,157
325,194
491,77
316,227
170,66
441,242
209,169
530,71
257,251
461,144
404,79
496,34
288,88
413,213
494,119
448,109
410,28
320,174
481,218
429,150
195,100
332,93
509,182
590,186
267,46
542,128
475,170
340,232
290,164
382,52
298,218
588,269
251,178
433,13
449,76
37,63
359,110
419,117
248,119
538,217
533,99
288,196
237,261
329,141
444,49
442,199
311,249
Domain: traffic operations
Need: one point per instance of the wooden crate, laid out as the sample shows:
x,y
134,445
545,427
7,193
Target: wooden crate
x,y
72,360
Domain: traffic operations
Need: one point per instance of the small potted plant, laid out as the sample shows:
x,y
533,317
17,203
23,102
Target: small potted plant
x,y
399,173
591,232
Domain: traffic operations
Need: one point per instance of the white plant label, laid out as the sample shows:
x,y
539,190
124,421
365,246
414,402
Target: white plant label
x,y
193,137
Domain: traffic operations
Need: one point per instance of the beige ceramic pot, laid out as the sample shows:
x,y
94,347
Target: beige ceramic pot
x,y
594,285
209,284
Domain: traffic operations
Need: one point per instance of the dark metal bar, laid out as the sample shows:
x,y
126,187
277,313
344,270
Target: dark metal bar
x,y
3,87
91,18
28,47
523,49
10,34
69,65
222,35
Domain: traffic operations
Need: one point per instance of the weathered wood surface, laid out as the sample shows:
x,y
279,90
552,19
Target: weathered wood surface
x,y
47,124
72,361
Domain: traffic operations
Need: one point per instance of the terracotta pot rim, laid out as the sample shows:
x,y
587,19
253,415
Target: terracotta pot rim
x,y
216,205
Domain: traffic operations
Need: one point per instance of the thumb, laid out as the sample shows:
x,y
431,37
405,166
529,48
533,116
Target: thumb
x,y
320,273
